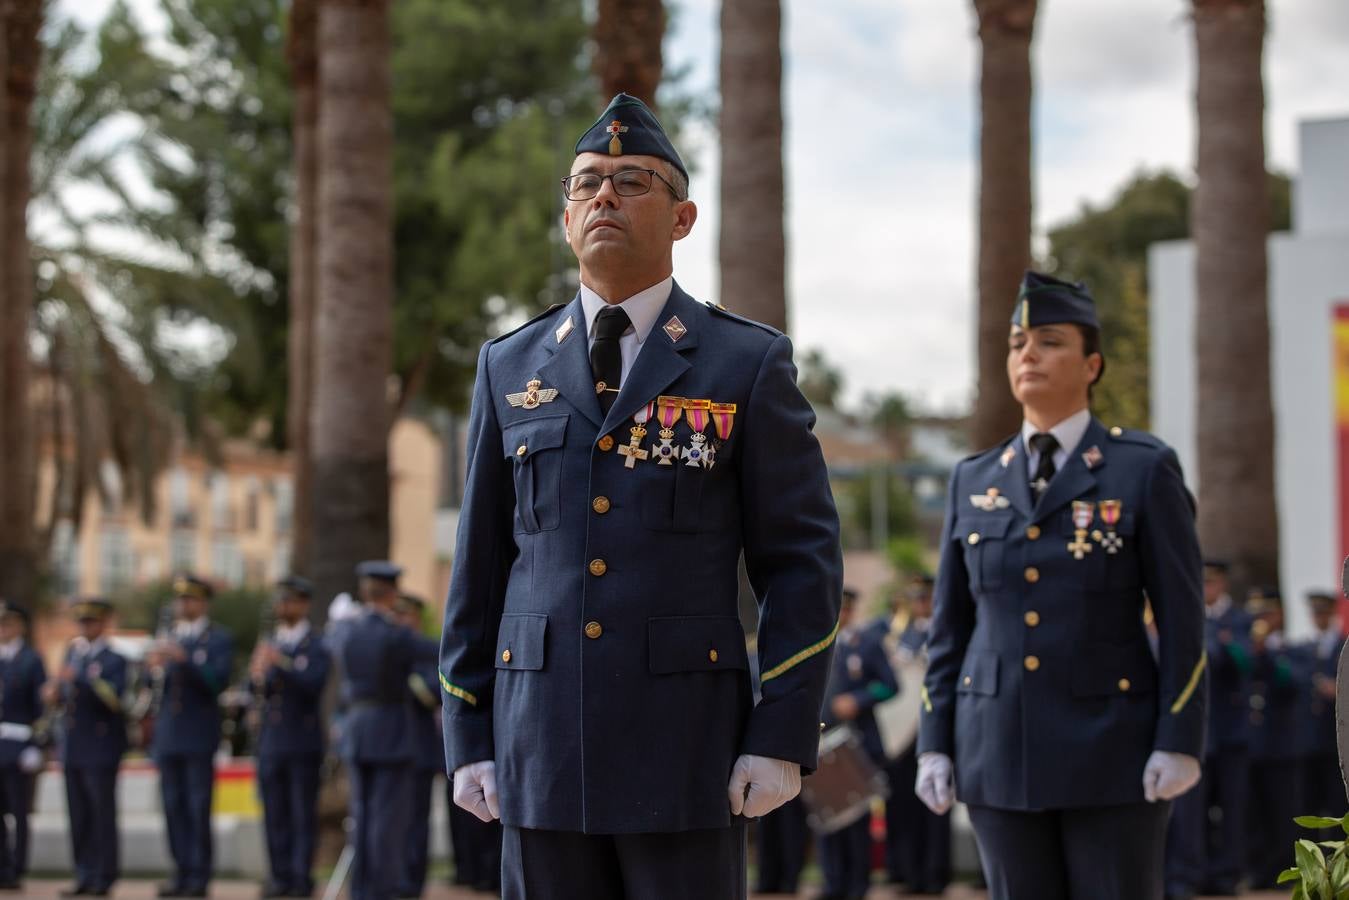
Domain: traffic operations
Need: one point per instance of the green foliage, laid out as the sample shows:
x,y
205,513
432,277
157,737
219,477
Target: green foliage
x,y
909,555
857,498
819,379
1316,876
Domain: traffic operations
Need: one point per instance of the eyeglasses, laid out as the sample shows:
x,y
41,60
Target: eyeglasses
x,y
627,183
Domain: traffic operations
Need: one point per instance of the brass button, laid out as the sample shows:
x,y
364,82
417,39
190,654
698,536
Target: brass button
x,y
607,443
598,567
594,630
973,538
968,681
1032,574
712,655
1124,684
600,505
1033,533
1032,663
521,450
1032,618
1116,431
506,656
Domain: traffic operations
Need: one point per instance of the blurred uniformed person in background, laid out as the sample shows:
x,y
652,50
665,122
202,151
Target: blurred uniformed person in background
x,y
289,669
88,692
1323,785
22,675
376,655
193,663
861,677
1065,738
1205,853
428,760
623,451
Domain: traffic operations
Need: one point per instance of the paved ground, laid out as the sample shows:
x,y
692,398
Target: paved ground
x,y
246,890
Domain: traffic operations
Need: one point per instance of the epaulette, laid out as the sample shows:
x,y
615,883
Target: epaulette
x,y
726,313
997,448
1134,436
547,312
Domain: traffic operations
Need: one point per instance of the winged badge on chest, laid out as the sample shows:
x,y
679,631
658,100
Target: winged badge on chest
x,y
533,395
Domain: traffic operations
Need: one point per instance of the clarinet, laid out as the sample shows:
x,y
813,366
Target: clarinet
x,y
159,673
258,684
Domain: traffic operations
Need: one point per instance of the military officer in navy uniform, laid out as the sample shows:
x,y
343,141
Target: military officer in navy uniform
x,y
193,664
289,669
22,676
1324,786
623,451
861,677
423,699
376,655
88,693
1206,853
1042,698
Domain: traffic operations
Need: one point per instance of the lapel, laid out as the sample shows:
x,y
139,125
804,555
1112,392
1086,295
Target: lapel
x,y
660,360
1012,480
568,370
1076,478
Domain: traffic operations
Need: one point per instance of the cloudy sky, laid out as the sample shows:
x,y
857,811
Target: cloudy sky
x,y
881,117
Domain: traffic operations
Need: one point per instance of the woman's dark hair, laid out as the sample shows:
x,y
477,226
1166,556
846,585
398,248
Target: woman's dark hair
x,y
1091,343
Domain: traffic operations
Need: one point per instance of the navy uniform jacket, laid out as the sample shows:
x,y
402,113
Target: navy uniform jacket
x,y
292,724
1227,639
591,643
95,730
1041,682
424,701
1317,718
21,680
377,656
1278,680
862,668
189,716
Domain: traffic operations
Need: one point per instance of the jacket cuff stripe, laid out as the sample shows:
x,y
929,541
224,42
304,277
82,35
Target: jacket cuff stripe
x,y
927,700
1186,694
455,690
800,657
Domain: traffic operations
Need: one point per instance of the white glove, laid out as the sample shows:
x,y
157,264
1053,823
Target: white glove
x,y
935,785
475,789
760,784
1168,775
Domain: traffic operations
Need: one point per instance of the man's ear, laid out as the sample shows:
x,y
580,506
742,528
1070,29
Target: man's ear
x,y
686,213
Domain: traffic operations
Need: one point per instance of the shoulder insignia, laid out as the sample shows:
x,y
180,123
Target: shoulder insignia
x,y
543,315
727,314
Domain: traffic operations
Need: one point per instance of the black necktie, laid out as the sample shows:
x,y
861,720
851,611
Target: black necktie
x,y
1045,445
606,361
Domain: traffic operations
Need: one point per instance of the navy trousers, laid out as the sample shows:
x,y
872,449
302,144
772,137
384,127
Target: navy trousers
x,y
917,840
186,783
783,837
1094,853
16,798
477,846
1276,799
289,787
678,865
1199,852
91,800
845,858
381,799
412,879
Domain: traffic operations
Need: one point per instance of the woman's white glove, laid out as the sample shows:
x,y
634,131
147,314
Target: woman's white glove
x,y
1168,775
475,789
935,784
760,784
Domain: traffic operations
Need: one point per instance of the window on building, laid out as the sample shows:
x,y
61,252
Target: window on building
x,y
281,561
227,563
110,478
65,558
180,498
252,505
285,505
183,550
117,562
222,513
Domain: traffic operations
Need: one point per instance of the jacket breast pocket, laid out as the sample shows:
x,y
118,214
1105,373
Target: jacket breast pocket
x,y
535,447
679,500
695,644
979,674
985,541
521,641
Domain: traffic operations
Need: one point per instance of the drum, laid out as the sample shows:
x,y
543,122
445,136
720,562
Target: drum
x,y
843,786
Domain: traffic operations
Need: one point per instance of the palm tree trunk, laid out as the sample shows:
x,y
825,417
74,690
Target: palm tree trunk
x,y
752,244
628,35
354,299
303,53
1005,31
1230,222
18,559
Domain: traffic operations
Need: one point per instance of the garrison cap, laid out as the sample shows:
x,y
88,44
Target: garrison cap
x,y
1046,300
380,570
1217,565
91,608
629,127
8,610
1262,599
297,584
192,586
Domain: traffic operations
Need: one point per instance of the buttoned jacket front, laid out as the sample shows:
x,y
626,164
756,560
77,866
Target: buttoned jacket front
x,y
188,720
292,722
94,729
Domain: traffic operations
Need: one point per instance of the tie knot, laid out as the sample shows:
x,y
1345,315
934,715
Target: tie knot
x,y
1044,443
611,322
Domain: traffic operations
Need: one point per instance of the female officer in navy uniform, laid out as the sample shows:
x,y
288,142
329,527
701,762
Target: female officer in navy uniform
x,y
1066,739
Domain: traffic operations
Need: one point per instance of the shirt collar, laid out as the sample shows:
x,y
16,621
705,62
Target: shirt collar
x,y
1068,433
1219,607
292,634
642,307
190,630
10,649
84,648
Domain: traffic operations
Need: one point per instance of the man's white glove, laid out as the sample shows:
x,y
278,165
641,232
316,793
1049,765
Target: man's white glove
x,y
935,783
475,789
760,784
1168,775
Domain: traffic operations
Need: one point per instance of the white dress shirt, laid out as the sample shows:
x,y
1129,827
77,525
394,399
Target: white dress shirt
x,y
289,636
187,631
642,309
1068,433
10,649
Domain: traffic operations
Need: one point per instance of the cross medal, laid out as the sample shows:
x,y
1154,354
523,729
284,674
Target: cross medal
x,y
1083,513
1110,514
668,411
697,413
632,451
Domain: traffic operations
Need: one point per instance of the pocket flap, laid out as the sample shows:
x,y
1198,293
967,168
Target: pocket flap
x,y
1110,670
979,675
520,641
521,440
695,644
986,526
